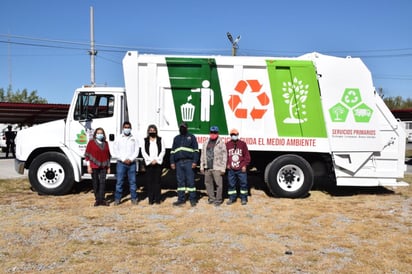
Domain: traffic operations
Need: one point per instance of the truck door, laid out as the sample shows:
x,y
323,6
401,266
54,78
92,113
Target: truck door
x,y
296,99
197,98
93,110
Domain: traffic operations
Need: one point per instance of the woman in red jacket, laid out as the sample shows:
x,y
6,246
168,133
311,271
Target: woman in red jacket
x,y
98,164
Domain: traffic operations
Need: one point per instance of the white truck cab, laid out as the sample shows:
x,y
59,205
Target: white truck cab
x,y
54,151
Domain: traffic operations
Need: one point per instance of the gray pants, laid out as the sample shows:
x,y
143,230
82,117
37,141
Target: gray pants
x,y
213,177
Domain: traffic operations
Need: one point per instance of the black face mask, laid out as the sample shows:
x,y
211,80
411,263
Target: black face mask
x,y
152,134
183,130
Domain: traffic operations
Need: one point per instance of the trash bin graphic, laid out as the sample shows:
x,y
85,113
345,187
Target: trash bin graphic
x,y
188,112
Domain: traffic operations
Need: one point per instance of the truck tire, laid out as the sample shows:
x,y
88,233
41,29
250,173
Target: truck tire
x,y
289,176
50,173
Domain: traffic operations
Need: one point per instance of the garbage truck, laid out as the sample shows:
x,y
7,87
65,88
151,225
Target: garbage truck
x,y
302,118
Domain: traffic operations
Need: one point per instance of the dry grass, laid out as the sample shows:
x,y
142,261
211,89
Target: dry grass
x,y
346,230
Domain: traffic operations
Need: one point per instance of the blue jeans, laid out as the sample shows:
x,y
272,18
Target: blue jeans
x,y
185,180
121,170
234,177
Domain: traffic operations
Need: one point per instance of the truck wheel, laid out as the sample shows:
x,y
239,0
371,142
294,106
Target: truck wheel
x,y
51,173
290,176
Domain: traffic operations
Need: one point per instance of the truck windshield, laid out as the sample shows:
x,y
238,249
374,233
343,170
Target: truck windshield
x,y
91,106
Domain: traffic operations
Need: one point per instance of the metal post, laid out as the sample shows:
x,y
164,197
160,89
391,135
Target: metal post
x,y
92,51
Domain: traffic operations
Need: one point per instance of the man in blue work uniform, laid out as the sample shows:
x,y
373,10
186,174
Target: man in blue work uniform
x,y
183,157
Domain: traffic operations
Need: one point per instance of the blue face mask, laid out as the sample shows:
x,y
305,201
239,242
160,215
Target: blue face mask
x,y
234,137
100,136
126,131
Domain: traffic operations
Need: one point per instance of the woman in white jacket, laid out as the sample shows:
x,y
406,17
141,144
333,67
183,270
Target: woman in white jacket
x,y
153,152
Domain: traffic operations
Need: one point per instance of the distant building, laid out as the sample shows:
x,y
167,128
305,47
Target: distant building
x,y
403,114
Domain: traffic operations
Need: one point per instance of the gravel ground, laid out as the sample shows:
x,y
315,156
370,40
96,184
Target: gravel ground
x,y
350,230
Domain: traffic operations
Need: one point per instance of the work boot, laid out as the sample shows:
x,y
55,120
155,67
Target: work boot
x,y
229,202
178,203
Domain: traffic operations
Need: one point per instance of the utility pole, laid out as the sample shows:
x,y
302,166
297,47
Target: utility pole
x,y
92,51
234,43
9,61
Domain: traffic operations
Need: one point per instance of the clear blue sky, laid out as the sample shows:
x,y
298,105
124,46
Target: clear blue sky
x,y
44,43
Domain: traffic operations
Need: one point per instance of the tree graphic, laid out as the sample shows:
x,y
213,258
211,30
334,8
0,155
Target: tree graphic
x,y
339,110
295,95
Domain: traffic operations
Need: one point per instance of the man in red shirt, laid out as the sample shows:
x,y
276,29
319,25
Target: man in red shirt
x,y
238,158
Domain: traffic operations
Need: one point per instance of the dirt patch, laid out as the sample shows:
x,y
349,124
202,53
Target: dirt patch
x,y
345,230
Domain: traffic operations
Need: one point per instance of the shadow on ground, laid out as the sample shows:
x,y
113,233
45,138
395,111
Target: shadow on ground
x,y
255,182
324,185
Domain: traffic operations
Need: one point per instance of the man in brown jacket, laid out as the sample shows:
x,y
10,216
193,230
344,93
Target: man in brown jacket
x,y
213,165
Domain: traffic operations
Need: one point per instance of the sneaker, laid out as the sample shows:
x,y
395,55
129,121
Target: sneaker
x,y
193,203
210,201
244,202
116,202
97,203
134,202
218,203
229,202
178,203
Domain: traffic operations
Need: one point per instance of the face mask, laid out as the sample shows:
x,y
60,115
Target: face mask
x,y
234,137
126,131
213,136
152,134
183,130
100,136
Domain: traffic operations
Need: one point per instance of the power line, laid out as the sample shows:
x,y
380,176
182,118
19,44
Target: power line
x,y
110,48
51,43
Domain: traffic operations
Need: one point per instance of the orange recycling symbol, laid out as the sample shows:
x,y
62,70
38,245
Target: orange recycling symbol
x,y
258,109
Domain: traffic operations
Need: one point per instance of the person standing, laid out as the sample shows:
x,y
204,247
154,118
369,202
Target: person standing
x,y
183,157
238,158
97,156
153,153
213,160
126,149
10,146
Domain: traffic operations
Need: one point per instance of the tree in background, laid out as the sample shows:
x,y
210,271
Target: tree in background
x,y
396,102
20,96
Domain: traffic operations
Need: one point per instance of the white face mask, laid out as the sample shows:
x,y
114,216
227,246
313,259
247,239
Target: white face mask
x,y
99,136
234,137
126,131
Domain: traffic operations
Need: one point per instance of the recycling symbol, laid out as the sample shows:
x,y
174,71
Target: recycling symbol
x,y
248,91
351,97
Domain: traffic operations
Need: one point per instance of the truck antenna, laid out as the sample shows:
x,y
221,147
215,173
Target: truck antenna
x,y
92,51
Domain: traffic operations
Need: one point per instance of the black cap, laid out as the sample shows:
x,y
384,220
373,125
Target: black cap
x,y
183,124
